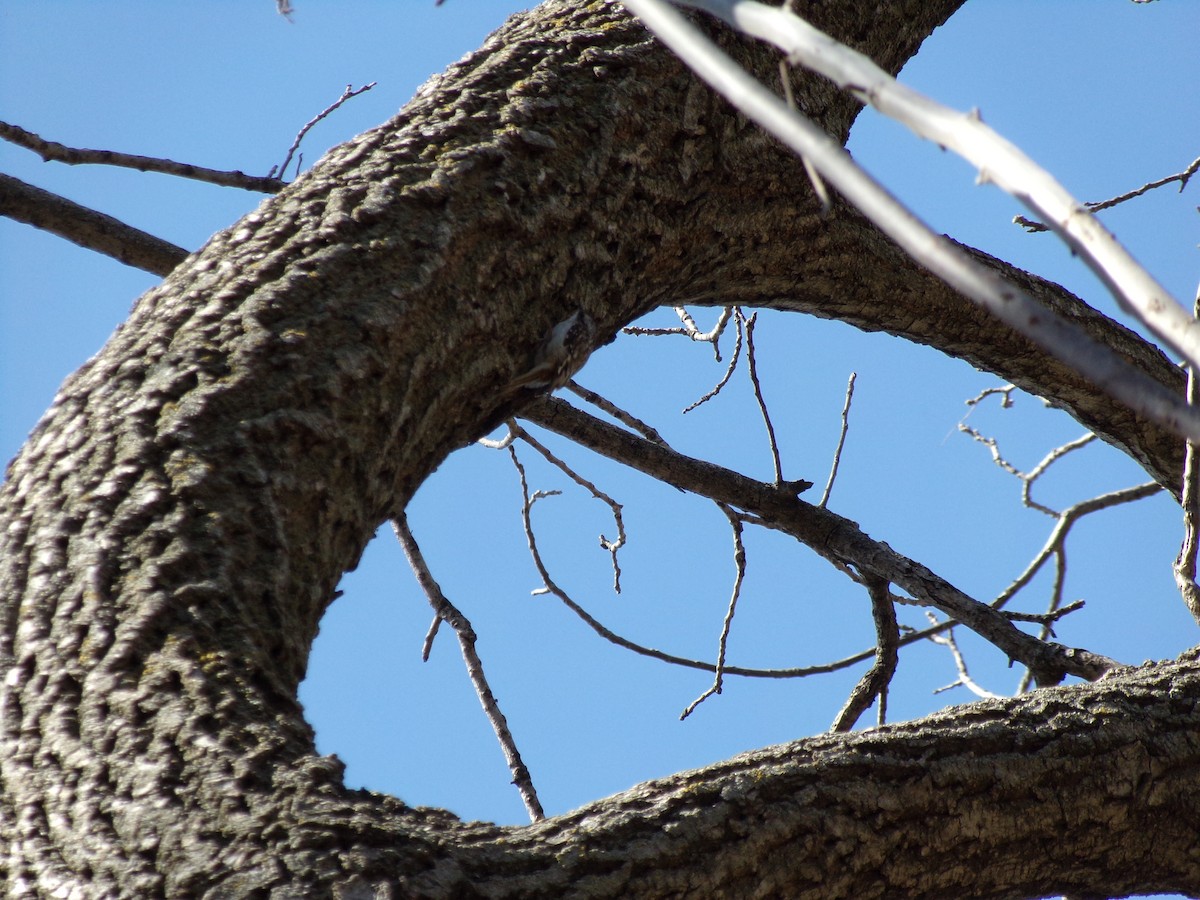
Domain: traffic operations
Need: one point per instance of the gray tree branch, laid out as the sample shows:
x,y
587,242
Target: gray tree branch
x,y
833,537
89,229
177,524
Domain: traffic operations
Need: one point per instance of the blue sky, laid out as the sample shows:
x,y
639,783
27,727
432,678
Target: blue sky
x,y
1096,91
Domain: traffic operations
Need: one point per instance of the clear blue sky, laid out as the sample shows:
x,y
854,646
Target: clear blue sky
x,y
1099,92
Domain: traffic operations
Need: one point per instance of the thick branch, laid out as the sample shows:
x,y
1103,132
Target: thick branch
x,y
898,811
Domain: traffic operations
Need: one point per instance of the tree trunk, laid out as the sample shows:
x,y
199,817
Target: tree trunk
x,y
178,521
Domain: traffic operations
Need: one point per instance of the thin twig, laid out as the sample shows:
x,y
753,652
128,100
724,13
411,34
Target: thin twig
x,y
1066,519
1048,618
875,680
1055,545
1027,479
729,369
1004,392
549,586
689,328
625,418
964,677
752,365
427,644
705,337
837,454
611,546
739,567
52,151
1183,178
346,95
444,610
504,441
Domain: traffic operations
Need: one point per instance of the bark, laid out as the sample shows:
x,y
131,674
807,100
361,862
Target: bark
x,y
178,521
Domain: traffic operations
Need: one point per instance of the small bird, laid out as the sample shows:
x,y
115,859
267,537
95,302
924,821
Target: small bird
x,y
562,353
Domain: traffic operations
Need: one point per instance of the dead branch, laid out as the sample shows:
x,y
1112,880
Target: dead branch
x,y
948,641
623,416
1185,563
752,365
549,586
1027,479
729,369
611,546
689,328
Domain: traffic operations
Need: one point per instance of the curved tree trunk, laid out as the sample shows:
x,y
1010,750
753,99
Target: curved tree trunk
x,y
177,523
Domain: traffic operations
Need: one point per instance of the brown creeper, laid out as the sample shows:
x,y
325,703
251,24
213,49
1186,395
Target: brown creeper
x,y
562,353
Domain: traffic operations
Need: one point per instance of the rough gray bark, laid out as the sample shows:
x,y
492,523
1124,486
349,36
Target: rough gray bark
x,y
177,523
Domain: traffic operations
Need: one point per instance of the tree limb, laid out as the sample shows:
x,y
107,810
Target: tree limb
x,y
52,151
827,533
86,227
178,522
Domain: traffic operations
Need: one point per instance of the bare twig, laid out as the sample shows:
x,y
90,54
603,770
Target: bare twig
x,y
729,369
625,418
51,151
814,177
427,644
875,681
504,441
706,337
752,364
549,586
611,546
346,95
1055,546
444,610
739,567
1065,520
689,328
1027,479
86,227
1048,618
837,453
1004,392
1183,178
964,677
